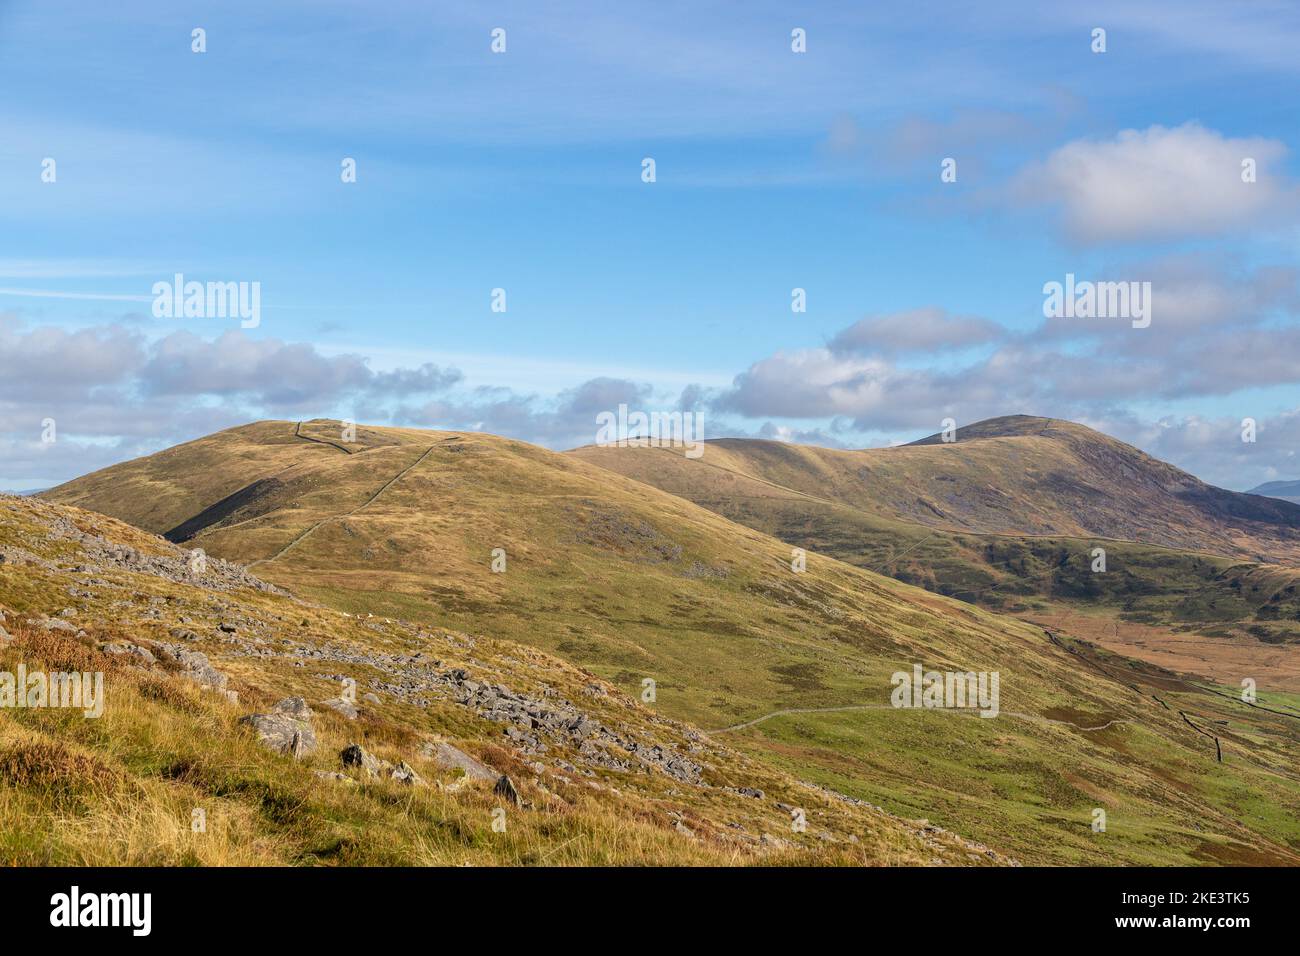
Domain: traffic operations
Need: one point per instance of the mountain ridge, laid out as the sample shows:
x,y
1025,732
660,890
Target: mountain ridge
x,y
635,584
1017,475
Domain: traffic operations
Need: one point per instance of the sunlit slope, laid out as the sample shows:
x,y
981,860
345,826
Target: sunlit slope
x,y
1018,475
161,491
82,592
639,585
1146,583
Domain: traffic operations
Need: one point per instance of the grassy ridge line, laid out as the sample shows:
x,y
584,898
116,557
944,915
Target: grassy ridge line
x,y
1009,572
1022,476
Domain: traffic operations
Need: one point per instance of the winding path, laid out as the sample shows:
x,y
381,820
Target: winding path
x,y
949,710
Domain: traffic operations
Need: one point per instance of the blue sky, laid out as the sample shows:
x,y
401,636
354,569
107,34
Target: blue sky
x,y
775,170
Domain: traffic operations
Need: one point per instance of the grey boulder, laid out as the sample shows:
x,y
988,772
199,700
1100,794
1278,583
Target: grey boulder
x,y
287,729
344,707
354,755
448,757
505,789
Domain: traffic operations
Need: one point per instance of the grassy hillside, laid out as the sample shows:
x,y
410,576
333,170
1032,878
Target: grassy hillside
x,y
635,584
81,592
1020,475
1012,573
1246,614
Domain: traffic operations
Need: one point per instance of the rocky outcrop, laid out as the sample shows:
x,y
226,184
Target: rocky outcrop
x,y
531,722
357,757
56,624
196,666
404,773
447,757
287,729
342,706
505,789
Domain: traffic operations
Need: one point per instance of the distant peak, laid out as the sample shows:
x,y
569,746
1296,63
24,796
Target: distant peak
x,y
1007,426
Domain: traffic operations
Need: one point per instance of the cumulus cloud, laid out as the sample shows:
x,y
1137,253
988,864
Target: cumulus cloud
x,y
600,395
274,373
916,330
113,394
414,381
47,363
1217,331
809,383
264,372
1191,295
1214,334
565,420
800,436
1211,447
1160,183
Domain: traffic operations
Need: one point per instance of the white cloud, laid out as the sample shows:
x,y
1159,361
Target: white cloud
x,y
916,330
1160,183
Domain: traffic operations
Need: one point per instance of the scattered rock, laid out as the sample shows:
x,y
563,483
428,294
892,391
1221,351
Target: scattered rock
x,y
354,755
196,666
132,650
403,773
344,707
530,720
333,775
56,624
287,729
505,789
448,757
